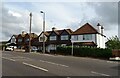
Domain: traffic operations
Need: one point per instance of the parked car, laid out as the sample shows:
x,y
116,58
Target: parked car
x,y
34,49
9,48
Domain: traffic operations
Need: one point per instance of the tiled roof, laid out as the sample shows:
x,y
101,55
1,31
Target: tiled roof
x,y
69,31
33,35
58,32
15,36
47,33
85,29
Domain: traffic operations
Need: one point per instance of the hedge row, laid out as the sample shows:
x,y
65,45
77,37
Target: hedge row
x,y
85,52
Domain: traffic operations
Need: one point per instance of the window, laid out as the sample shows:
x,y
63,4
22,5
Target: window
x,y
64,37
76,37
27,40
20,40
87,37
52,37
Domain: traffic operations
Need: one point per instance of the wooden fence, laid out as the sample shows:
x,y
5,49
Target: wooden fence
x,y
116,52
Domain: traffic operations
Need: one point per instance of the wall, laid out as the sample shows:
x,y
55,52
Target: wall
x,y
100,41
42,36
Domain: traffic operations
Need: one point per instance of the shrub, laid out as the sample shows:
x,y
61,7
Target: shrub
x,y
85,52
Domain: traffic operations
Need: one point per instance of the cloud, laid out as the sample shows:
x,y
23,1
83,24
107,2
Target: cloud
x,y
15,16
13,22
14,13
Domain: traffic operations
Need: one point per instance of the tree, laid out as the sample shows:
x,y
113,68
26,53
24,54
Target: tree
x,y
113,43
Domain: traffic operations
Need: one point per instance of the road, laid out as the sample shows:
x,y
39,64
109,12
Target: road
x,y
36,64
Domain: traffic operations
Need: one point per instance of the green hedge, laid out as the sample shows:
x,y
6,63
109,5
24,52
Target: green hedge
x,y
85,52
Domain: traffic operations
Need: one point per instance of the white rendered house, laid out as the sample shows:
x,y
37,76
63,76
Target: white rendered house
x,y
87,35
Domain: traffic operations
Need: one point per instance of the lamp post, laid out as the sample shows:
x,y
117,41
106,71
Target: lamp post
x,y
30,33
43,30
72,49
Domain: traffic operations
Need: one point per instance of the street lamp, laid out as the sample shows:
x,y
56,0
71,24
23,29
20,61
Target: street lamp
x,y
30,33
72,49
72,46
43,30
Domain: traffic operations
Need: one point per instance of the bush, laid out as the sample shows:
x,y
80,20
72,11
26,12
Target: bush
x,y
85,52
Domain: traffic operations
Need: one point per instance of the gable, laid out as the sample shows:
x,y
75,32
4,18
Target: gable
x,y
85,29
64,33
53,34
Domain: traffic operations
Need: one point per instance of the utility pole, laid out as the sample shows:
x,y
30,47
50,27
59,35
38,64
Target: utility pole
x,y
30,32
43,30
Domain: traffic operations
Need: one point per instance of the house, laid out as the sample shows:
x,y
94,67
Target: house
x,y
88,36
55,38
22,40
12,41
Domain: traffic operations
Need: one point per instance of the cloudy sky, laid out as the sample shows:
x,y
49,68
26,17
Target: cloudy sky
x,y
61,15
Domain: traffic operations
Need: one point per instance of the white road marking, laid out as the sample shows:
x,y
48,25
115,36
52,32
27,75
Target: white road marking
x,y
99,73
112,62
31,65
54,63
8,58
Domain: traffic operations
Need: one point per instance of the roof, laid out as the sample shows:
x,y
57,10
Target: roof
x,y
58,32
85,29
33,35
46,33
15,36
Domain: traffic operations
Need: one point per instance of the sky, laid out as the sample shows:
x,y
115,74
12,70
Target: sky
x,y
61,15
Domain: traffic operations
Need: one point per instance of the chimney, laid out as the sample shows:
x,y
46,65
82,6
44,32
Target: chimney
x,y
99,27
53,29
23,32
102,30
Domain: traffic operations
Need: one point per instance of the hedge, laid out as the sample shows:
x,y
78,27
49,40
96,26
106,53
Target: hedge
x,y
85,52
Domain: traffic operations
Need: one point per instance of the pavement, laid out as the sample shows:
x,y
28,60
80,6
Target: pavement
x,y
36,64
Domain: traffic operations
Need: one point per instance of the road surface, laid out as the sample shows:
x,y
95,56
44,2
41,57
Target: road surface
x,y
36,64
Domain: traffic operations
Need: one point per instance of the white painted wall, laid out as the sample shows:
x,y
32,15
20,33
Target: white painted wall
x,y
42,36
100,41
51,47
13,40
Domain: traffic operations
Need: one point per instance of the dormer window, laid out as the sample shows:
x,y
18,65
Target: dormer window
x,y
27,40
52,37
19,40
64,37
